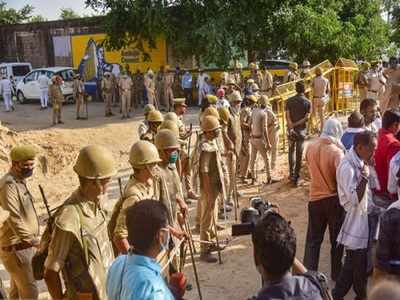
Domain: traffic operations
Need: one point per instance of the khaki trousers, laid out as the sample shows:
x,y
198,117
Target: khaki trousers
x,y
57,108
258,145
108,103
318,108
125,103
273,136
231,161
244,155
208,209
79,104
18,265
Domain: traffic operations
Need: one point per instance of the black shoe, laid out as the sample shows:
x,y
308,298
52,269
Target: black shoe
x,y
227,209
78,118
60,122
208,258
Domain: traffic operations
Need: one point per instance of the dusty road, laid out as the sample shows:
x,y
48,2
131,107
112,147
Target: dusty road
x,y
236,278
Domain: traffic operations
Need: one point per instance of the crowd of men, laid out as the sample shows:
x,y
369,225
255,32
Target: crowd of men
x,y
354,186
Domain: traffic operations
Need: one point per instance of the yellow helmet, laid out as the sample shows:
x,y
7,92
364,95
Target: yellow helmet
x,y
143,153
148,108
294,66
23,152
263,101
209,123
95,162
318,71
211,99
210,111
252,98
171,125
224,114
166,139
171,116
155,116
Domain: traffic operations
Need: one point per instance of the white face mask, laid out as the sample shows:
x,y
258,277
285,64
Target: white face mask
x,y
165,242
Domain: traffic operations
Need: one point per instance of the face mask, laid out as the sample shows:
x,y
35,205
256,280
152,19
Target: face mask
x,y
165,243
26,172
173,157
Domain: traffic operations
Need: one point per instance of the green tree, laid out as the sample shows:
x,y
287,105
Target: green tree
x,y
13,16
37,18
219,31
68,14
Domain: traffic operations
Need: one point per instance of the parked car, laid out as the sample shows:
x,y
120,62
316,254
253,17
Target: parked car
x,y
28,87
17,69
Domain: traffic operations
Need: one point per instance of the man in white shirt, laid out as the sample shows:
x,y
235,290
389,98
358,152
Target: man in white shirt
x,y
200,85
44,82
6,89
355,196
321,89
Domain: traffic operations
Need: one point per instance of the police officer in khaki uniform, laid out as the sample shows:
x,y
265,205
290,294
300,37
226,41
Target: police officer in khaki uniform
x,y
154,119
362,80
293,73
57,98
19,235
138,86
125,87
259,138
80,246
235,135
144,125
321,90
245,115
256,75
107,89
267,84
78,93
211,184
273,130
168,88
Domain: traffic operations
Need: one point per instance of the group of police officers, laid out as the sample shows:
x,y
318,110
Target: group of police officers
x,y
81,241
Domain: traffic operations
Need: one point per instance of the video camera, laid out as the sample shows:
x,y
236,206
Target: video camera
x,y
249,216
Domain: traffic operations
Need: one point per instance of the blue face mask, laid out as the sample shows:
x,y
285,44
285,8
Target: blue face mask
x,y
173,157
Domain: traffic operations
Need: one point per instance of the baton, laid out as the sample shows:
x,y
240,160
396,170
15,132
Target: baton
x,y
120,186
190,138
216,239
189,231
236,202
191,250
46,204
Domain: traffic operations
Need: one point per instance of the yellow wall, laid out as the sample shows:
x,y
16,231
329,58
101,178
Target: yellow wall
x,y
158,55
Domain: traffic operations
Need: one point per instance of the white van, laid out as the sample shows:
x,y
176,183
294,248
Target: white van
x,y
16,69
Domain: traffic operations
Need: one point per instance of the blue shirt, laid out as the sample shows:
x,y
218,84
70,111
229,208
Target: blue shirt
x,y
187,81
136,277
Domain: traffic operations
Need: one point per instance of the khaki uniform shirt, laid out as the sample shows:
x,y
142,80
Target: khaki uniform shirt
x,y
245,114
125,84
148,136
55,93
107,85
210,162
78,88
268,81
234,129
320,87
80,247
22,225
259,121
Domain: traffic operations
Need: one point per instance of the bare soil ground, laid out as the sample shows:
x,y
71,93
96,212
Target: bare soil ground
x,y
237,277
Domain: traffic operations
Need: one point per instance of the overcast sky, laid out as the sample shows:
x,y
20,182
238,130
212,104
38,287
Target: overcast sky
x,y
50,9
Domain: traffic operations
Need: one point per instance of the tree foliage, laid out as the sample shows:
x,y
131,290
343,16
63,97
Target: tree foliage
x,y
219,31
68,14
13,16
37,18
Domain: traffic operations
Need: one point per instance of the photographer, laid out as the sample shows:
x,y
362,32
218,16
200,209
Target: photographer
x,y
274,254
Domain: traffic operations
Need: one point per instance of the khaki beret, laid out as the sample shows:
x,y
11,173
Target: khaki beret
x,y
23,152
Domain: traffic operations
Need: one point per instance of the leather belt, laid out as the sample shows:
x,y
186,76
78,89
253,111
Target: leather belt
x,y
256,136
371,91
17,247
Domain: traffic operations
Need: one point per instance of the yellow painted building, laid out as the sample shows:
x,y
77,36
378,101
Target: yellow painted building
x,y
131,56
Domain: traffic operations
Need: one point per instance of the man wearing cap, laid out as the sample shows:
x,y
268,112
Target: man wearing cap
x,y
376,81
267,82
245,116
144,125
80,247
256,75
211,184
187,86
168,91
221,102
138,85
78,90
19,235
125,87
154,119
235,135
321,89
57,98
107,89
292,74
150,88
362,80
